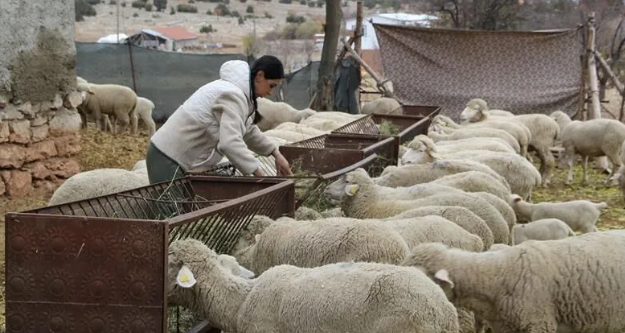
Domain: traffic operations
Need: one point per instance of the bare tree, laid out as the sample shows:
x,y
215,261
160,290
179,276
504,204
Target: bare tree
x,y
332,28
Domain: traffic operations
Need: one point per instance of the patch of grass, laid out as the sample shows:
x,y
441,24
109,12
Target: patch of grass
x,y
388,128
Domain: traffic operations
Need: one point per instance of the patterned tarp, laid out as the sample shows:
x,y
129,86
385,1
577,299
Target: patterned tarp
x,y
522,72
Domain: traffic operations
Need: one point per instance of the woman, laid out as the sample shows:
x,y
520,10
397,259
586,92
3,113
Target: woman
x,y
219,119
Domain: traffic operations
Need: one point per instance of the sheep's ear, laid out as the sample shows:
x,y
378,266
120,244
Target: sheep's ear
x,y
516,199
443,276
351,189
257,238
185,277
246,273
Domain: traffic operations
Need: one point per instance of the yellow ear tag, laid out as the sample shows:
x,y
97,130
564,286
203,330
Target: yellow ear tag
x,y
352,189
185,278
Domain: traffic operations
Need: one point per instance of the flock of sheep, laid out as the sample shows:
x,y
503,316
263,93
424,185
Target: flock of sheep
x,y
448,240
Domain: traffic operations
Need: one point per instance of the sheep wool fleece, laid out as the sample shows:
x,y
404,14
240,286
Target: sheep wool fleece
x,y
213,122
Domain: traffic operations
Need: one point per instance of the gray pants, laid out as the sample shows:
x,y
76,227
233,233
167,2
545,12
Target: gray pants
x,y
161,168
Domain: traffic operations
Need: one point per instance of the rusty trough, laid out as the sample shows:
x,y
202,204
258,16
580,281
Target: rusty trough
x,y
100,265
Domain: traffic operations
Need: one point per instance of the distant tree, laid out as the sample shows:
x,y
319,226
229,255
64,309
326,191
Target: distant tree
x,y
160,5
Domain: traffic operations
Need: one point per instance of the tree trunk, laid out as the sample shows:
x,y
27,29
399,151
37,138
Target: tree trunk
x,y
325,82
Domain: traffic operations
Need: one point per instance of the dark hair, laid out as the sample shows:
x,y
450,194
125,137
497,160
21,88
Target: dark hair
x,y
273,69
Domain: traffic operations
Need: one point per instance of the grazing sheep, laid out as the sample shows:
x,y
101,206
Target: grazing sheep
x,y
140,164
288,299
363,201
618,176
98,182
479,143
466,133
276,113
543,229
304,213
300,128
498,247
382,105
568,285
593,138
408,175
456,214
110,99
143,111
475,181
288,135
580,215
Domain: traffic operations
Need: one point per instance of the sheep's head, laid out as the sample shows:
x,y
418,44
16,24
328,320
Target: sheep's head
x,y
476,110
233,266
247,235
420,150
347,186
84,89
430,258
515,199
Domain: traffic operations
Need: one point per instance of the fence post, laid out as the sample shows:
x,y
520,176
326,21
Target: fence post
x,y
132,66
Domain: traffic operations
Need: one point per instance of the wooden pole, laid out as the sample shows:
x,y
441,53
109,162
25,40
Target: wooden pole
x,y
617,84
594,112
368,69
358,29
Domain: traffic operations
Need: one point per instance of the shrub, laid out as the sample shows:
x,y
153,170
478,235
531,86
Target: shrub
x,y
205,29
138,4
83,8
184,8
250,9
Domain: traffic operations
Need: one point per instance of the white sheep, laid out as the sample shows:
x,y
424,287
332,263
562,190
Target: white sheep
x,y
480,143
98,182
580,215
361,199
275,113
475,181
382,105
544,132
300,128
284,298
465,133
593,138
110,99
140,164
288,135
568,285
143,111
543,229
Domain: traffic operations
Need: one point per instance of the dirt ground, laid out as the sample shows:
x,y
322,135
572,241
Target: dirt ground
x,y
104,150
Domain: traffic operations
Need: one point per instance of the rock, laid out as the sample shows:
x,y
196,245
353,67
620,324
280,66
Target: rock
x,y
27,110
20,131
19,183
67,145
57,102
40,119
73,100
40,150
10,112
46,185
2,187
4,131
65,122
11,155
39,133
62,167
38,170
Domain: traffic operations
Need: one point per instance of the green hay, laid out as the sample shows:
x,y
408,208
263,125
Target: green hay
x,y
388,128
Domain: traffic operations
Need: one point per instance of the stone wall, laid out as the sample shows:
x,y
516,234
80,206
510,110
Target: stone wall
x,y
39,123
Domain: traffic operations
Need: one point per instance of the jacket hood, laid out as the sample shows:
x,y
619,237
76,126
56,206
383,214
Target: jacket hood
x,y
237,72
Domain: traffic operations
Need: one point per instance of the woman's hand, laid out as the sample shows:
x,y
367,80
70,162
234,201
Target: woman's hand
x,y
259,172
282,165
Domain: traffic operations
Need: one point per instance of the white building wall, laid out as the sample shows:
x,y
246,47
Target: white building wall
x,y
370,40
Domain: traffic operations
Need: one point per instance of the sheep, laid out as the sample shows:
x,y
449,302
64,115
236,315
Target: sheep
x,y
543,229
456,214
519,173
593,138
382,105
580,215
140,164
332,212
319,242
481,143
475,181
275,113
110,99
285,298
143,111
567,285
465,133
305,213
300,128
498,247
618,176
408,175
98,182
288,135
519,131
544,132
361,200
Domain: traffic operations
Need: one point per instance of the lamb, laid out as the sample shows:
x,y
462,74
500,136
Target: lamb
x,y
466,133
543,229
360,200
527,287
288,135
544,132
275,113
580,215
300,128
461,216
98,182
110,99
143,111
593,138
285,298
408,175
382,105
320,242
479,143
475,181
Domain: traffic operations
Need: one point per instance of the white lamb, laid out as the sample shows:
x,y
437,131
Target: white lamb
x,y
284,298
275,113
543,229
492,144
382,105
580,215
574,284
300,128
465,133
475,181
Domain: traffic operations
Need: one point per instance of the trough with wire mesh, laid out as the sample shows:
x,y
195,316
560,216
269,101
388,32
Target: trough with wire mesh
x,y
317,161
100,264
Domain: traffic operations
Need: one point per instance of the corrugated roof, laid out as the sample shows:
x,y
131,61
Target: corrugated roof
x,y
175,33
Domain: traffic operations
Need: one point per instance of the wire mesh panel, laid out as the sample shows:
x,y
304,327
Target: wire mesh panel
x,y
100,264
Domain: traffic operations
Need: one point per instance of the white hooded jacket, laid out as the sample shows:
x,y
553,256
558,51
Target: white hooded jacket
x,y
215,121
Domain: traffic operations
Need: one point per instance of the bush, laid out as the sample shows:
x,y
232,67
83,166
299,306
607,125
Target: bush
x,y
285,1
250,9
222,10
205,29
269,16
172,11
235,13
308,29
311,4
191,1
241,20
124,4
135,15
148,7
112,2
184,8
138,4
302,2
83,8
93,2
209,12
295,19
